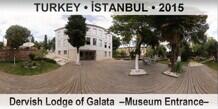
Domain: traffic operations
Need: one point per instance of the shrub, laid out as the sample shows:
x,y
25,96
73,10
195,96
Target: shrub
x,y
40,54
132,54
30,64
186,53
150,52
178,67
32,56
119,54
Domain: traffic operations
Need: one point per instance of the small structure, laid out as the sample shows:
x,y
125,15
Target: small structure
x,y
27,45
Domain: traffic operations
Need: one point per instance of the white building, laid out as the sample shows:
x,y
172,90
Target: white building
x,y
98,44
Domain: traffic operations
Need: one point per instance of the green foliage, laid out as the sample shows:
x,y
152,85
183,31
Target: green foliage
x,y
116,43
176,29
119,54
211,47
76,30
150,52
16,35
38,45
132,54
30,64
39,54
199,50
1,45
186,52
129,26
178,67
32,56
32,39
212,64
49,60
45,42
28,67
51,44
161,51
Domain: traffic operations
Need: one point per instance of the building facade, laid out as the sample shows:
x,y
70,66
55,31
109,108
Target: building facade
x,y
98,45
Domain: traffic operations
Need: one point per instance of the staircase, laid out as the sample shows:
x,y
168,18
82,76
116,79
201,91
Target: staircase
x,y
59,59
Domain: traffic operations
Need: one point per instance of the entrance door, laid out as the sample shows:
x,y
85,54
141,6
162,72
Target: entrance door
x,y
87,55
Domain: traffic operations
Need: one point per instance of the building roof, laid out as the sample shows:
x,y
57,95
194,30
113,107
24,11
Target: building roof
x,y
86,24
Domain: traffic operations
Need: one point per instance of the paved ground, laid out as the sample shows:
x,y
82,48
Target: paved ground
x,y
111,77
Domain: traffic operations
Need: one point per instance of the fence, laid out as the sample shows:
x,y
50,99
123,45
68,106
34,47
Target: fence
x,y
20,54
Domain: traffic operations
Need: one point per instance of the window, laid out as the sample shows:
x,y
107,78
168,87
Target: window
x,y
105,44
94,41
59,52
65,51
105,53
100,42
109,45
87,40
109,53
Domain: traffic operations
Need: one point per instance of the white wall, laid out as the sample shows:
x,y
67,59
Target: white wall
x,y
93,32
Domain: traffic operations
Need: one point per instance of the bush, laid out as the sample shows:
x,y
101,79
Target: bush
x,y
150,52
40,54
30,64
119,54
186,53
178,67
132,54
32,56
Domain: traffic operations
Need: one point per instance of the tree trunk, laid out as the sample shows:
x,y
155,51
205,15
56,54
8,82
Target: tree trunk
x,y
137,62
137,55
78,57
179,53
173,57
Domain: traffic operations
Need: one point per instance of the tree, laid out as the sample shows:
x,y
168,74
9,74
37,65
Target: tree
x,y
161,51
176,29
135,26
199,50
186,52
116,42
32,39
51,44
211,47
45,42
16,35
38,45
1,45
76,31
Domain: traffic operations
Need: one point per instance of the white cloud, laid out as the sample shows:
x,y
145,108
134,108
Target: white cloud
x,y
103,21
39,25
212,21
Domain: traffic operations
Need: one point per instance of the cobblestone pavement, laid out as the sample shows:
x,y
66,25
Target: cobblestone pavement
x,y
111,76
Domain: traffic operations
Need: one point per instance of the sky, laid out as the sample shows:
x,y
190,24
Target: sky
x,y
39,25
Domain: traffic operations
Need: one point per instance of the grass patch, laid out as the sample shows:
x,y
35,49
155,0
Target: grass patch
x,y
212,64
19,69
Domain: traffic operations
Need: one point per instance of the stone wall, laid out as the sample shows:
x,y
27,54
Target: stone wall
x,y
21,54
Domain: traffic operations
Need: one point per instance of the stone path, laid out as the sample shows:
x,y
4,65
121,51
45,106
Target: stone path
x,y
111,76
